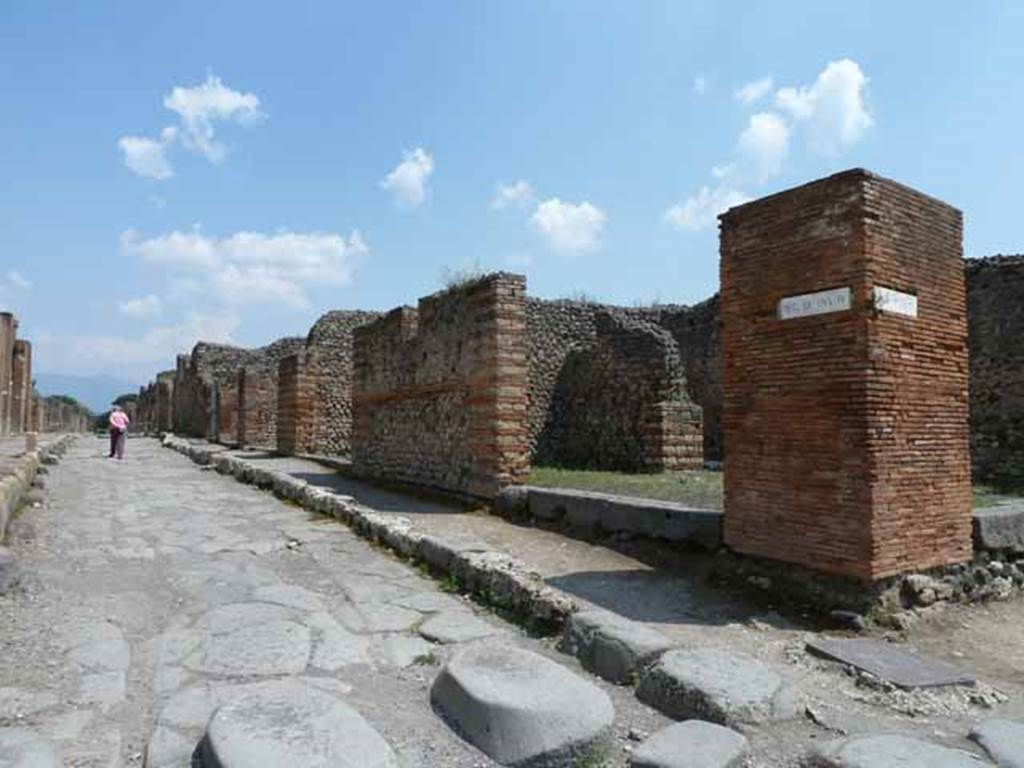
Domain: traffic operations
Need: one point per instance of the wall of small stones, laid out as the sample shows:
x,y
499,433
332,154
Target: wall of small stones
x,y
560,330
995,313
440,392
620,402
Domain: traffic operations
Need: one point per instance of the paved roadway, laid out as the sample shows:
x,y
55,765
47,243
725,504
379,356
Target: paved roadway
x,y
151,590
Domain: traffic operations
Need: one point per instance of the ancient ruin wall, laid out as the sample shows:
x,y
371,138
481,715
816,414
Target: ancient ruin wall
x,y
8,331
328,361
227,412
995,313
21,387
439,395
257,393
846,428
620,403
558,329
295,411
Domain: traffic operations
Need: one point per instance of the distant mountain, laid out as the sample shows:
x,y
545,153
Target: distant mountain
x,y
95,392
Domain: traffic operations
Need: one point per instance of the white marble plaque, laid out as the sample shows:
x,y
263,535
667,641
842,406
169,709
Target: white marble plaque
x,y
895,302
818,303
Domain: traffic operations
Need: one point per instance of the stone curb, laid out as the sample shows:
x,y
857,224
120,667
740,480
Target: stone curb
x,y
18,482
498,578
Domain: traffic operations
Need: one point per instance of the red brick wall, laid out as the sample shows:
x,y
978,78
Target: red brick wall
x,y
439,392
295,414
846,432
227,413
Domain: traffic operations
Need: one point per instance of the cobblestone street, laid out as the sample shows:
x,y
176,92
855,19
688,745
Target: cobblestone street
x,y
151,591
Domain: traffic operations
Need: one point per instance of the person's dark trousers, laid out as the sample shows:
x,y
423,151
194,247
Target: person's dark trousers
x,y
113,442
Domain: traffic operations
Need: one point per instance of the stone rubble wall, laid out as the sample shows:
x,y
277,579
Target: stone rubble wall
x,y
995,314
440,392
561,329
620,403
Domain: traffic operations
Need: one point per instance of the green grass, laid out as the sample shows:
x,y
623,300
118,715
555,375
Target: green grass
x,y
696,489
989,496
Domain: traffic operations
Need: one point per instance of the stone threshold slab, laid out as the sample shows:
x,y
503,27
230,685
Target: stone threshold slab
x,y
888,662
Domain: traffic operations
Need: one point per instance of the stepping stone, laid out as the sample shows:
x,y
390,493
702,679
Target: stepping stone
x,y
883,751
611,646
450,628
522,709
1003,740
693,744
708,684
888,662
287,723
21,748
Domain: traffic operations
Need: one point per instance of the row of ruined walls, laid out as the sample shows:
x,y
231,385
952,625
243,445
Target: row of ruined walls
x,y
567,355
22,409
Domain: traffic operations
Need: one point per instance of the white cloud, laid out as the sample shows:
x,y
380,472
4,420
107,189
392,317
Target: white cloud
x,y
148,157
701,210
253,267
408,181
519,195
754,91
833,111
569,227
201,106
18,280
146,306
762,147
834,108
700,85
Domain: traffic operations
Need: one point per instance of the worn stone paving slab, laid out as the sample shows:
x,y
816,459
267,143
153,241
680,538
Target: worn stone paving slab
x,y
889,662
890,751
693,744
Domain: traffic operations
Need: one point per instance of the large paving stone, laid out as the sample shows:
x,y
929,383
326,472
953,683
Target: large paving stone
x,y
22,748
290,724
693,744
275,648
889,751
611,646
708,684
450,628
522,709
1003,740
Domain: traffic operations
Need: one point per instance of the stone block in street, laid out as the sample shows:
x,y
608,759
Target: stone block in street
x,y
725,688
1000,527
692,744
611,646
288,723
1003,740
522,709
885,751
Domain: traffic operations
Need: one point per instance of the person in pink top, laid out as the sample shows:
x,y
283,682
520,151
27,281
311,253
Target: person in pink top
x,y
119,422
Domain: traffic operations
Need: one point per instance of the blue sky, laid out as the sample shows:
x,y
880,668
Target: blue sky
x,y
232,170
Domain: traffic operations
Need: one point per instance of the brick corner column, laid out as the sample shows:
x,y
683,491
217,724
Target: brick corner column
x,y
845,379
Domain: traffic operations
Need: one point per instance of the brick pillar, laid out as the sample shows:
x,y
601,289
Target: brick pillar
x,y
845,378
21,386
295,410
8,330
